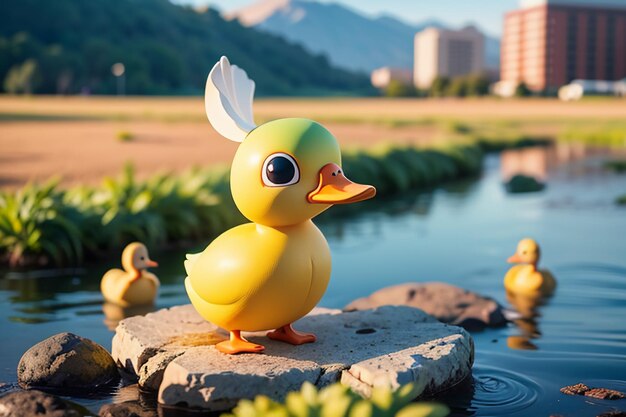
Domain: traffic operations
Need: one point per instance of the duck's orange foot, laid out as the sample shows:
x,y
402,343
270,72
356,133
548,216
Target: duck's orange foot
x,y
288,335
238,344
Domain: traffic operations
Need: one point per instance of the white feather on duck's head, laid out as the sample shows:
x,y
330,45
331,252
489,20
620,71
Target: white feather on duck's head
x,y
228,100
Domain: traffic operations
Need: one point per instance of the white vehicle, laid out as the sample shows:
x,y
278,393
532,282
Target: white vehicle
x,y
579,88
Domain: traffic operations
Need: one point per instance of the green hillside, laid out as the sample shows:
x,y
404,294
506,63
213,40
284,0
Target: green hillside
x,y
69,46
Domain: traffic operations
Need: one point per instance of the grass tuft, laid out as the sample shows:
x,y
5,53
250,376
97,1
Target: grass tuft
x,y
125,136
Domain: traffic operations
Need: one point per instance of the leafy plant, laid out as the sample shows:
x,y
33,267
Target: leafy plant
x,y
34,223
399,89
522,90
338,400
616,166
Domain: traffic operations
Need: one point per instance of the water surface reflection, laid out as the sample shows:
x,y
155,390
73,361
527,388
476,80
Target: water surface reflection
x,y
462,234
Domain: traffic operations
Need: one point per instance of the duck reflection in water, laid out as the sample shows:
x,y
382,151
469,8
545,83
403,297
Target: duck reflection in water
x,y
528,307
114,313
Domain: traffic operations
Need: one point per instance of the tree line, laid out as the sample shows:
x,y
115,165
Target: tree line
x,y
472,85
69,46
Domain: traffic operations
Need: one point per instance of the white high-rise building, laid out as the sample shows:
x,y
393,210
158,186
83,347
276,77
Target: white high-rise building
x,y
447,53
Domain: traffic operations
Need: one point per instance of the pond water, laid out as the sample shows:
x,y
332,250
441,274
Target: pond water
x,y
462,234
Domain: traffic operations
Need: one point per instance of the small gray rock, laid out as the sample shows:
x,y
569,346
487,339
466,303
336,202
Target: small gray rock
x,y
447,303
66,361
151,373
34,403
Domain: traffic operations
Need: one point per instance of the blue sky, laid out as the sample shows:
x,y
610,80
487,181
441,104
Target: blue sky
x,y
488,14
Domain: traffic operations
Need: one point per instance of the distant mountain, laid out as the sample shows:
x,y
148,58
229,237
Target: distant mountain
x,y
349,39
69,46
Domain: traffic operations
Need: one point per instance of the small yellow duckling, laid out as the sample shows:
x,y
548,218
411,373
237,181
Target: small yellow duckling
x,y
526,278
269,273
133,285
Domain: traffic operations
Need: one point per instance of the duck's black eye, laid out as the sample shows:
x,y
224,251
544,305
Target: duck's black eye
x,y
279,170
143,258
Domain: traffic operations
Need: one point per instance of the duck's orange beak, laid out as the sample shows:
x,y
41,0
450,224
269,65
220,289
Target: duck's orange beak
x,y
515,259
151,264
335,188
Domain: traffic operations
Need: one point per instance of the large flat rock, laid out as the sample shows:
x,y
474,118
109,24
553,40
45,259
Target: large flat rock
x,y
173,351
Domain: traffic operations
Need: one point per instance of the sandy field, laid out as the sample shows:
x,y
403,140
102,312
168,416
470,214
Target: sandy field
x,y
76,138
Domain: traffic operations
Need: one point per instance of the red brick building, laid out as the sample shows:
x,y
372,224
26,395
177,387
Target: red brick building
x,y
548,43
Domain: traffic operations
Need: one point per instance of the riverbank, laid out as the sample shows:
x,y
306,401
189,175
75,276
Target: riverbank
x,y
49,225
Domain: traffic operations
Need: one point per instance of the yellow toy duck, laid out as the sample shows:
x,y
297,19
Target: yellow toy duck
x,y
269,273
526,279
133,285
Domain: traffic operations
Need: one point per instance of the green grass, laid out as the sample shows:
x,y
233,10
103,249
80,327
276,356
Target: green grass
x,y
608,136
125,136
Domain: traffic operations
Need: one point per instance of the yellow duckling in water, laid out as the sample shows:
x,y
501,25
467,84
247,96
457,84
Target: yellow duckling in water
x,y
133,285
525,278
269,273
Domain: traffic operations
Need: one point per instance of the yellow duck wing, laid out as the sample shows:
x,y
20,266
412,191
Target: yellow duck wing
x,y
114,284
529,280
511,276
234,265
152,278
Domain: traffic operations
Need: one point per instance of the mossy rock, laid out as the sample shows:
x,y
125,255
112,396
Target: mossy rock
x,y
616,166
524,184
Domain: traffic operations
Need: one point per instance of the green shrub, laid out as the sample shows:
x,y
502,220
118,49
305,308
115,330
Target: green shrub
x,y
439,86
467,85
338,401
522,90
399,89
457,87
524,184
498,145
125,136
616,166
35,226
461,128
621,200
477,85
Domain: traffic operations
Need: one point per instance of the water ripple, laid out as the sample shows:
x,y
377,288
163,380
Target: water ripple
x,y
495,392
